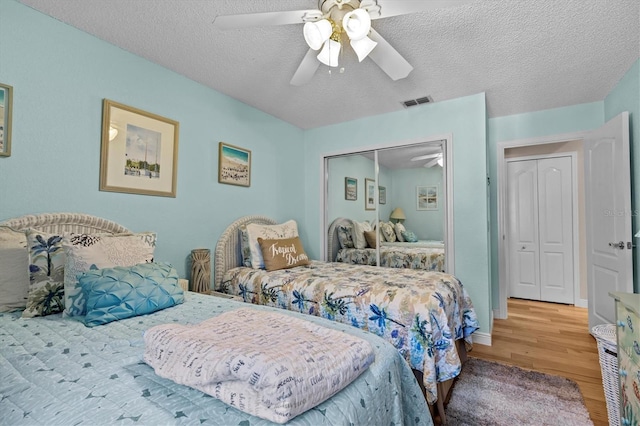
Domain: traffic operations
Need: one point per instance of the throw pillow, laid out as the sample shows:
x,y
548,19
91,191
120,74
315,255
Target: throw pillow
x,y
387,231
372,238
399,228
14,264
84,251
359,228
46,274
122,292
283,253
345,236
287,229
245,247
409,236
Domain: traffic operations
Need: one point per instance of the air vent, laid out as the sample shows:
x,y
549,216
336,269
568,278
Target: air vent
x,y
419,101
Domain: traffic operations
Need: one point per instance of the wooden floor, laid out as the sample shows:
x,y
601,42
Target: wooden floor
x,y
550,338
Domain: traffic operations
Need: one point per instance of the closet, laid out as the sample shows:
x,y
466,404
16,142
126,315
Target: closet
x,y
541,217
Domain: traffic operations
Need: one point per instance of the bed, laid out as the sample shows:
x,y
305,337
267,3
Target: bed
x,y
55,370
427,255
427,316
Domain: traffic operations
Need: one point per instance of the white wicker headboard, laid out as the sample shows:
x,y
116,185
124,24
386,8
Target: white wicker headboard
x,y
65,222
228,252
333,244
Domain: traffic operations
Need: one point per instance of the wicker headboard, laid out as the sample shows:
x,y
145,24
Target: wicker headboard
x,y
333,244
228,253
65,222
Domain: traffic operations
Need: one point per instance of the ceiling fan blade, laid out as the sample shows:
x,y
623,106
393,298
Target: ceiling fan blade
x,y
388,58
431,163
306,70
402,7
425,157
247,20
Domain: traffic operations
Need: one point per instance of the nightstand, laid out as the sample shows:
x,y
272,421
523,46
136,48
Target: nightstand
x,y
225,296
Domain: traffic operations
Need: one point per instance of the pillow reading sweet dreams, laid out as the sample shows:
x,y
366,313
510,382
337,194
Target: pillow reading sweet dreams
x,y
283,253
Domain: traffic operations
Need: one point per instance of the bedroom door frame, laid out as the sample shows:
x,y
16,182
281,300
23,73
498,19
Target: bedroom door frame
x,y
447,144
501,147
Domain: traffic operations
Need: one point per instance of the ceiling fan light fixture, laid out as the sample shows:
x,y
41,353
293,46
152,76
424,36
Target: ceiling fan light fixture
x,y
363,47
329,53
316,33
357,24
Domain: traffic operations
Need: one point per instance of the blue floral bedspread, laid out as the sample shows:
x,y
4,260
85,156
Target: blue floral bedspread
x,y
56,371
421,313
429,259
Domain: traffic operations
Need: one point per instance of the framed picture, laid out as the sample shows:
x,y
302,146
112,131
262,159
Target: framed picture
x,y
350,189
382,194
139,152
234,165
6,99
427,197
369,194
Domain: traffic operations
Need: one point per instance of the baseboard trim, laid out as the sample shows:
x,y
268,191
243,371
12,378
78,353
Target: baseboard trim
x,y
581,303
480,338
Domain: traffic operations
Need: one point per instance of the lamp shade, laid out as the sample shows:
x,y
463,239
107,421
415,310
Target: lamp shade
x,y
363,47
316,33
357,24
397,214
329,53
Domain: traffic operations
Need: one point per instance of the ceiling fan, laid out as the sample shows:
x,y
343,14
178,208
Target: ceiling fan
x,y
336,21
434,159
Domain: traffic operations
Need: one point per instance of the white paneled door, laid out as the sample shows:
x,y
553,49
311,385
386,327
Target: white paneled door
x,y
608,214
540,197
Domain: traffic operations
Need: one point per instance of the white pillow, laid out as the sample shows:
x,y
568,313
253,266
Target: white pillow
x,y
84,252
287,229
399,228
359,229
14,267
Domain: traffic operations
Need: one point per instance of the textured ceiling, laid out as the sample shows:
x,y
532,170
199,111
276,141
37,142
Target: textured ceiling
x,y
527,55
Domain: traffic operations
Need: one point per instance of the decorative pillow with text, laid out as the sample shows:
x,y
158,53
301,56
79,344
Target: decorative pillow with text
x,y
283,253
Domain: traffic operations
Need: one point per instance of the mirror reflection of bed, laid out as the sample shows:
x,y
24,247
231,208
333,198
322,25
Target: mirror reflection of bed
x,y
405,222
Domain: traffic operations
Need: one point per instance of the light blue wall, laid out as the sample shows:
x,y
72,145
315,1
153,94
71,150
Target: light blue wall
x,y
626,97
355,166
522,126
60,76
427,224
465,119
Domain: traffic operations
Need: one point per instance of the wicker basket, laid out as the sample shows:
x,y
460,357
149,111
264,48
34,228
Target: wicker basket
x,y
605,335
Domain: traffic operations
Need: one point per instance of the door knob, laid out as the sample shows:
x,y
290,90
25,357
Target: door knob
x,y
619,245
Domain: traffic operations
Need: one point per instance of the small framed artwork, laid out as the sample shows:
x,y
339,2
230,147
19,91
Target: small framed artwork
x,y
369,194
350,189
234,165
6,99
139,151
382,194
427,197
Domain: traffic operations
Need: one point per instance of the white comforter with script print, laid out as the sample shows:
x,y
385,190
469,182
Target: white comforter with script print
x,y
267,364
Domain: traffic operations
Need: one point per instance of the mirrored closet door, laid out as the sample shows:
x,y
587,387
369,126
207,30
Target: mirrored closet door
x,y
390,207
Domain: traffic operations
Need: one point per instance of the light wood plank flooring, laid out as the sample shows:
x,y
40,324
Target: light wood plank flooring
x,y
550,338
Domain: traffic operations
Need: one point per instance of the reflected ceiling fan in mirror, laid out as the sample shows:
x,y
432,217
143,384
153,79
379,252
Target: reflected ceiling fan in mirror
x,y
327,28
434,159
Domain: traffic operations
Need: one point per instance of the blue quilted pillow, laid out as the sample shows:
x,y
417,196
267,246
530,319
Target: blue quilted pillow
x,y
122,292
409,236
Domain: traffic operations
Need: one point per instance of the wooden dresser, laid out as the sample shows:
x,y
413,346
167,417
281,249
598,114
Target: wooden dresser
x,y
628,341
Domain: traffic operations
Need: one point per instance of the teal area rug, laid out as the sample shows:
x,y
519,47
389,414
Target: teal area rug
x,y
489,393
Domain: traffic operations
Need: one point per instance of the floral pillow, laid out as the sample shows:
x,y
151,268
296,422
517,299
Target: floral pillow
x,y
345,236
85,252
14,264
387,231
399,228
245,247
46,274
287,229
